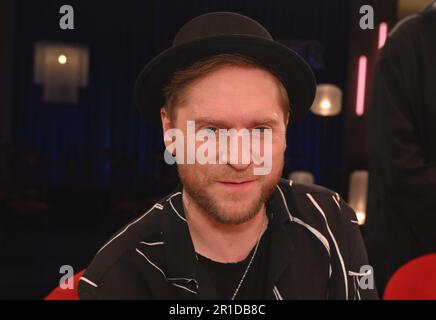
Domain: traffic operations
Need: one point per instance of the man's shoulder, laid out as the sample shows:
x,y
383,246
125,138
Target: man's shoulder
x,y
312,202
303,188
146,229
407,27
298,189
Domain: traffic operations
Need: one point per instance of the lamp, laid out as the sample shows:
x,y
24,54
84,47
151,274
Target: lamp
x,y
62,69
327,103
358,194
302,177
328,100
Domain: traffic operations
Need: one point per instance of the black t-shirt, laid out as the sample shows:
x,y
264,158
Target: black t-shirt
x,y
226,276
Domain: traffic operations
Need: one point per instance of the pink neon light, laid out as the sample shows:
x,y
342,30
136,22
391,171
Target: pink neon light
x,y
361,84
382,34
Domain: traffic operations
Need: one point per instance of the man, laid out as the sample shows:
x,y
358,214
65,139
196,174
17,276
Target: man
x,y
401,220
227,232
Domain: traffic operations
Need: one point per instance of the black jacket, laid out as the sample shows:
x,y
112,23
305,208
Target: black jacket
x,y
316,252
401,213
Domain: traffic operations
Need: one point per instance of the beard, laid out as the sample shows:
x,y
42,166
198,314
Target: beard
x,y
228,208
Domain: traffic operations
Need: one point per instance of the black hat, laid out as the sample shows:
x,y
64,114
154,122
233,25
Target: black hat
x,y
218,33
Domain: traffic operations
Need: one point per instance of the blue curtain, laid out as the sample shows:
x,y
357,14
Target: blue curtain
x,y
102,141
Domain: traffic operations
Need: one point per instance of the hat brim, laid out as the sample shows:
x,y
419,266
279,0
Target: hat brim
x,y
293,71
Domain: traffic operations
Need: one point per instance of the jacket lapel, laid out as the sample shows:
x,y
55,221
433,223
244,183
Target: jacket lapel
x,y
281,246
179,251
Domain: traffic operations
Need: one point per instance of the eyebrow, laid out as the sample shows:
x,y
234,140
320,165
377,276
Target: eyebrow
x,y
224,124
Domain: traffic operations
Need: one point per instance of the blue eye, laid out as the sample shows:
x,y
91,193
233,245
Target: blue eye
x,y
212,129
261,129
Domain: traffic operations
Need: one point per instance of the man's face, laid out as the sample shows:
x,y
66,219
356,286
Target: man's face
x,y
238,98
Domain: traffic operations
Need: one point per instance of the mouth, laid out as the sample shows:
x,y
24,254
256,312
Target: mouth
x,y
236,184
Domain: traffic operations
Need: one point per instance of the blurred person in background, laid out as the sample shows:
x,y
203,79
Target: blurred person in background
x,y
401,215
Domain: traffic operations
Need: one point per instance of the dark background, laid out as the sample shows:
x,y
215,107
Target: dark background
x,y
71,175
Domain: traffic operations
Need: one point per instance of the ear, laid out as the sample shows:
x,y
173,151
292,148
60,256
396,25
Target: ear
x,y
286,127
166,123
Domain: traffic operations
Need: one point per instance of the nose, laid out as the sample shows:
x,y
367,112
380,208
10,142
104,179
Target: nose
x,y
238,154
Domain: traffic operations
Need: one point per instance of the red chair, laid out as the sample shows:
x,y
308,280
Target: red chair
x,y
66,294
416,280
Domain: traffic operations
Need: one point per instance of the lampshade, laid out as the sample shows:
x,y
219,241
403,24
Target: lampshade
x,y
328,100
302,177
358,194
62,69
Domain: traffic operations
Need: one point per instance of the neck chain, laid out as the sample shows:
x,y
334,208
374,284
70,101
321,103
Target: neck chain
x,y
252,256
249,263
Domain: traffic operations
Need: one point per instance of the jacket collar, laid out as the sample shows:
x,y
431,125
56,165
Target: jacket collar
x,y
179,250
281,245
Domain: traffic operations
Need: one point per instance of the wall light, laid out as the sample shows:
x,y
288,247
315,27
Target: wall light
x,y
358,194
302,177
61,69
361,86
62,59
328,100
382,34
